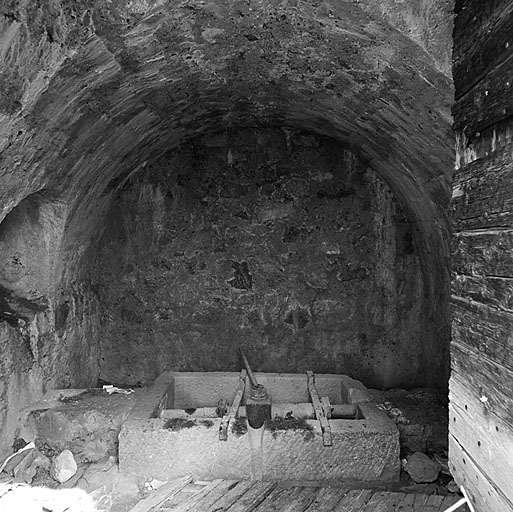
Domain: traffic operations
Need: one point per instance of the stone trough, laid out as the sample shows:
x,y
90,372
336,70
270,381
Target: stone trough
x,y
172,432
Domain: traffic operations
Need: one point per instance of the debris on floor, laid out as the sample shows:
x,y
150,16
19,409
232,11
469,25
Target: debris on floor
x,y
86,422
421,468
109,388
24,464
421,416
74,434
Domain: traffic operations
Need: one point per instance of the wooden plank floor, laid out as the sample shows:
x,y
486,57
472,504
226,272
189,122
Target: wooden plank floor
x,y
254,496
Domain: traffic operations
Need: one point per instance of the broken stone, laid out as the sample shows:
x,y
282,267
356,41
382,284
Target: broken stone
x,y
63,467
453,487
95,450
26,470
444,464
396,414
421,468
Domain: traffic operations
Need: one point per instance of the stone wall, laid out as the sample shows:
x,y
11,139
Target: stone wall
x,y
92,90
48,323
273,240
55,348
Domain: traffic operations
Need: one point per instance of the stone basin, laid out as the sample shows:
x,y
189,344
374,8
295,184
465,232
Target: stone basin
x,y
364,449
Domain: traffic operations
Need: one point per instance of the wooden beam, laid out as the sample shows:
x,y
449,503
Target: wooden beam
x,y
483,190
232,413
483,253
486,331
494,292
319,410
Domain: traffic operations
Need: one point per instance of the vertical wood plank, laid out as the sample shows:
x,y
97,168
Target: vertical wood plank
x,y
485,496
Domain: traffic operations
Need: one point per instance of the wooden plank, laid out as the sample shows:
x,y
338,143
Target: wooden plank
x,y
432,503
326,406
326,499
482,196
277,499
319,411
192,503
232,494
253,497
353,501
423,502
482,493
420,502
485,330
472,14
495,292
459,5
486,438
384,502
491,26
471,6
490,141
488,103
485,378
152,502
449,501
182,496
483,253
408,503
303,500
293,499
232,414
211,498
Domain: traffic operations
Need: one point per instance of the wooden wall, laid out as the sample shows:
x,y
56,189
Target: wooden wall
x,y
481,385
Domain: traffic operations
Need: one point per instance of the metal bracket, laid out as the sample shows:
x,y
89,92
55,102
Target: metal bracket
x,y
232,413
319,410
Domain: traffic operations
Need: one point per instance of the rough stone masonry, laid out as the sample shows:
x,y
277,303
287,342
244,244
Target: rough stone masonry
x,y
96,95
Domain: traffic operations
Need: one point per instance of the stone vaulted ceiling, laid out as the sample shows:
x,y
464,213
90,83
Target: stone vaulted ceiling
x,y
92,90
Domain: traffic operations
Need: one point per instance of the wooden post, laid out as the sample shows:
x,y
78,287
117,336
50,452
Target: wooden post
x,y
319,410
232,413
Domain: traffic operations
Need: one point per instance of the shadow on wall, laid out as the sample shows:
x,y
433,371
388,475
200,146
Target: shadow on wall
x,y
280,241
30,239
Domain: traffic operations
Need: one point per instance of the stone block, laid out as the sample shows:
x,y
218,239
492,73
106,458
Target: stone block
x,y
63,467
363,450
421,468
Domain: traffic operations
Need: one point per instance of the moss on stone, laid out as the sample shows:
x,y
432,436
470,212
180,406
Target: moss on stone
x,y
239,427
176,424
280,424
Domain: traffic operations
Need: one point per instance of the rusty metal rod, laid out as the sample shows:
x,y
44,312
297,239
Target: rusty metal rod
x,y
251,375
